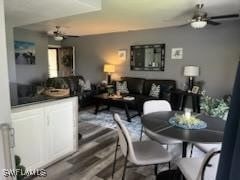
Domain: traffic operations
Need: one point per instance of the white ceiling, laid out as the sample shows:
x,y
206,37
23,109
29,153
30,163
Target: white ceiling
x,y
127,15
22,12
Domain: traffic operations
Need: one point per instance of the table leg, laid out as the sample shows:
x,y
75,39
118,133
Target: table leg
x,y
194,104
97,108
198,104
184,149
181,104
127,112
108,107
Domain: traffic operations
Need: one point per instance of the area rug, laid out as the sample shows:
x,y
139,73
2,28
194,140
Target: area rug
x,y
105,119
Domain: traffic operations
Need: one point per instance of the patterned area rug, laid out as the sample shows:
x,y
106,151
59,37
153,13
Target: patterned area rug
x,y
105,119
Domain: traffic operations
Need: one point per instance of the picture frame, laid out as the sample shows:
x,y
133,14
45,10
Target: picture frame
x,y
122,54
177,53
195,89
25,53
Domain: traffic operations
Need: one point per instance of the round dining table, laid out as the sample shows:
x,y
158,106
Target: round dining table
x,y
158,124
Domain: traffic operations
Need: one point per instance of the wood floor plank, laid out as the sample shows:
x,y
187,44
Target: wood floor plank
x,y
83,164
97,134
97,167
92,151
94,159
107,171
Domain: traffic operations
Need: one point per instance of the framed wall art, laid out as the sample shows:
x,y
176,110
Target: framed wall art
x,y
122,54
177,53
25,53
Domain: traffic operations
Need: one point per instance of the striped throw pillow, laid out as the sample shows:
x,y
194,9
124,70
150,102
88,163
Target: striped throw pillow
x,y
155,90
122,87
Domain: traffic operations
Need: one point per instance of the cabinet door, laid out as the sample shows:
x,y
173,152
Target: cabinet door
x,y
60,129
29,137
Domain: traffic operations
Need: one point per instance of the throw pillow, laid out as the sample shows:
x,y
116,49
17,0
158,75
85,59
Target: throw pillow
x,y
87,86
81,82
122,87
155,90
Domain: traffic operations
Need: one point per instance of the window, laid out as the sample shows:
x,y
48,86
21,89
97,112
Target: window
x,y
52,62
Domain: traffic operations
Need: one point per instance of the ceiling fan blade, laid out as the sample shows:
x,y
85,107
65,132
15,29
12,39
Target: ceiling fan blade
x,y
71,36
213,23
183,25
225,16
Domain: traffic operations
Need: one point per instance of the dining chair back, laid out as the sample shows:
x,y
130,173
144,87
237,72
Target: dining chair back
x,y
196,168
209,163
156,106
138,153
125,140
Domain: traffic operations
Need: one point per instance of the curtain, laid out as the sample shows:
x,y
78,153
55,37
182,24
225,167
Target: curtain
x,y
229,164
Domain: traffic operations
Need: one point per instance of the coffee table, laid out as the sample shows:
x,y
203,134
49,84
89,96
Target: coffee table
x,y
111,101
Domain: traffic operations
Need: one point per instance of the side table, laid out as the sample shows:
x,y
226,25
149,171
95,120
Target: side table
x,y
184,96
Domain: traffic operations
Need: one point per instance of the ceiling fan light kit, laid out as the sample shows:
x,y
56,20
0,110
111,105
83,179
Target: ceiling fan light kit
x,y
58,38
201,19
198,24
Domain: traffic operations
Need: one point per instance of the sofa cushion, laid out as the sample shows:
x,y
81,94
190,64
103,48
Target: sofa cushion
x,y
134,85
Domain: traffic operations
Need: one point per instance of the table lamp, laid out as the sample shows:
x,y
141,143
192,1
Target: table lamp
x,y
109,68
191,72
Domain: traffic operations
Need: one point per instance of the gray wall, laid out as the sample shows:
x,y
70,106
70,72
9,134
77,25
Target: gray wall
x,y
215,49
26,74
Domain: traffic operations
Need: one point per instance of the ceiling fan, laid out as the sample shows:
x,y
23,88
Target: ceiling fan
x,y
58,35
200,18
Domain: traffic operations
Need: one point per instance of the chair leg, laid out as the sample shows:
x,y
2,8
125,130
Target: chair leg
x,y
115,158
192,146
169,165
156,169
141,133
124,168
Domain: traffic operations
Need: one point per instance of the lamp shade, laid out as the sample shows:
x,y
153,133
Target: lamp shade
x,y
109,68
191,71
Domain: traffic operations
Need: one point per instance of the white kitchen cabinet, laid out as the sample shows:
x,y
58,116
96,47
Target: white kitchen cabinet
x,y
45,132
59,130
29,139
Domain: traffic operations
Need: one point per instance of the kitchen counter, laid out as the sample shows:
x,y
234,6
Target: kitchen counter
x,y
26,101
25,95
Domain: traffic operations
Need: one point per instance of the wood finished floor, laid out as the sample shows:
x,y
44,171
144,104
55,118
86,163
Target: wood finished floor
x,y
94,159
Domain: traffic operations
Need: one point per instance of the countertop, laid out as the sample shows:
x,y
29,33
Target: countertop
x,y
26,101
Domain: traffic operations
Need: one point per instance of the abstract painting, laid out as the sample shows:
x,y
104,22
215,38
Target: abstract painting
x,y
25,52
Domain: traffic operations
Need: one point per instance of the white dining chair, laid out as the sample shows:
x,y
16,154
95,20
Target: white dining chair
x,y
138,153
157,106
205,147
200,168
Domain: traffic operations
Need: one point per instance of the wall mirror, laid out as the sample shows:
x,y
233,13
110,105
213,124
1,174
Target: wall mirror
x,y
147,57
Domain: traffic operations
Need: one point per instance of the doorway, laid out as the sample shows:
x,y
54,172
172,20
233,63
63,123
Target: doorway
x,y
61,61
